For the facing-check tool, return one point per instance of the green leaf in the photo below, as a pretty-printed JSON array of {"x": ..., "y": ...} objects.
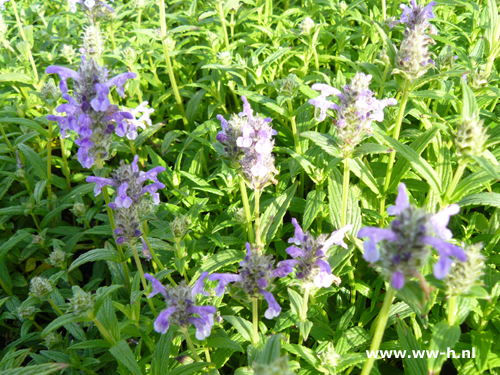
[
  {"x": 469, "y": 103},
  {"x": 277, "y": 211},
  {"x": 487, "y": 166},
  {"x": 161, "y": 357},
  {"x": 370, "y": 148},
  {"x": 413, "y": 365},
  {"x": 15, "y": 77},
  {"x": 56, "y": 211},
  {"x": 101, "y": 296},
  {"x": 224, "y": 342},
  {"x": 444, "y": 336},
  {"x": 314, "y": 202},
  {"x": 25, "y": 122},
  {"x": 90, "y": 344},
  {"x": 35, "y": 161},
  {"x": 43, "y": 369},
  {"x": 303, "y": 352},
  {"x": 482, "y": 341},
  {"x": 481, "y": 199},
  {"x": 296, "y": 301},
  {"x": 124, "y": 355},
  {"x": 62, "y": 320},
  {"x": 189, "y": 369},
  {"x": 19, "y": 236},
  {"x": 221, "y": 259},
  {"x": 193, "y": 105},
  {"x": 324, "y": 141},
  {"x": 363, "y": 173},
  {"x": 421, "y": 166},
  {"x": 95, "y": 255},
  {"x": 271, "y": 350},
  {"x": 145, "y": 134},
  {"x": 244, "y": 327}
]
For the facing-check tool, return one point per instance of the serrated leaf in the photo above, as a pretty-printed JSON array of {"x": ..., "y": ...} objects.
[
  {"x": 124, "y": 355},
  {"x": 62, "y": 320},
  {"x": 189, "y": 369},
  {"x": 324, "y": 141},
  {"x": 314, "y": 202},
  {"x": 224, "y": 342},
  {"x": 221, "y": 259},
  {"x": 243, "y": 326},
  {"x": 43, "y": 369},
  {"x": 145, "y": 134},
  {"x": 444, "y": 337},
  {"x": 193, "y": 105},
  {"x": 35, "y": 161},
  {"x": 370, "y": 148},
  {"x": 413, "y": 365}
]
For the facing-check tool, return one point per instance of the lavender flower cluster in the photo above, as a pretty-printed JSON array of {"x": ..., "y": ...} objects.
[
  {"x": 404, "y": 248},
  {"x": 310, "y": 256},
  {"x": 94, "y": 9},
  {"x": 247, "y": 139},
  {"x": 414, "y": 59},
  {"x": 129, "y": 201},
  {"x": 181, "y": 307},
  {"x": 358, "y": 108}
]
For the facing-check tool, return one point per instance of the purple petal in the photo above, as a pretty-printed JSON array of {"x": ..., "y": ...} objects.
[
  {"x": 398, "y": 280},
  {"x": 224, "y": 279},
  {"x": 161, "y": 323},
  {"x": 203, "y": 325},
  {"x": 440, "y": 220},
  {"x": 273, "y": 309},
  {"x": 198, "y": 286},
  {"x": 119, "y": 81},
  {"x": 371, "y": 253},
  {"x": 157, "y": 286},
  {"x": 337, "y": 238},
  {"x": 324, "y": 278},
  {"x": 402, "y": 201},
  {"x": 295, "y": 251},
  {"x": 100, "y": 182},
  {"x": 298, "y": 235}
]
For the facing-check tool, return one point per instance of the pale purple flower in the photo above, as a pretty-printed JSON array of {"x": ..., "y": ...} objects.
[
  {"x": 181, "y": 307},
  {"x": 321, "y": 103},
  {"x": 255, "y": 274},
  {"x": 310, "y": 256},
  {"x": 141, "y": 119},
  {"x": 404, "y": 248},
  {"x": 145, "y": 249}
]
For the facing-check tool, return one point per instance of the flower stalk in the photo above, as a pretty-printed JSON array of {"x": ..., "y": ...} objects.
[
  {"x": 379, "y": 330},
  {"x": 246, "y": 207},
  {"x": 255, "y": 320},
  {"x": 190, "y": 344},
  {"x": 141, "y": 273}
]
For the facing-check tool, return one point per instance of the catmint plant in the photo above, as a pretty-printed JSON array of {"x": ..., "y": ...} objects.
[
  {"x": 182, "y": 310},
  {"x": 413, "y": 57},
  {"x": 404, "y": 247},
  {"x": 254, "y": 277},
  {"x": 358, "y": 108},
  {"x": 131, "y": 189}
]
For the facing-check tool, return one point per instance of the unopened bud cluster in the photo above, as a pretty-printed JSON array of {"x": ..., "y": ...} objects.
[
  {"x": 57, "y": 258},
  {"x": 278, "y": 367},
  {"x": 81, "y": 301},
  {"x": 93, "y": 42},
  {"x": 307, "y": 26},
  {"x": 470, "y": 137},
  {"x": 26, "y": 313},
  {"x": 49, "y": 93},
  {"x": 464, "y": 275},
  {"x": 40, "y": 287},
  {"x": 79, "y": 210},
  {"x": 52, "y": 339},
  {"x": 180, "y": 226}
]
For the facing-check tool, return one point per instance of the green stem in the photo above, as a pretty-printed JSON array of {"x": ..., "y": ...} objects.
[
  {"x": 143, "y": 279},
  {"x": 257, "y": 219},
  {"x": 65, "y": 163},
  {"x": 36, "y": 222},
  {"x": 170, "y": 69},
  {"x": 139, "y": 19},
  {"x": 246, "y": 207},
  {"x": 451, "y": 310},
  {"x": 153, "y": 253},
  {"x": 379, "y": 331},
  {"x": 7, "y": 141},
  {"x": 220, "y": 10},
  {"x": 269, "y": 10},
  {"x": 294, "y": 127},
  {"x": 397, "y": 130},
  {"x": 23, "y": 35},
  {"x": 345, "y": 195},
  {"x": 104, "y": 331},
  {"x": 113, "y": 227},
  {"x": 49, "y": 164},
  {"x": 132, "y": 147},
  {"x": 382, "y": 84},
  {"x": 190, "y": 344},
  {"x": 58, "y": 310},
  {"x": 462, "y": 165},
  {"x": 255, "y": 319},
  {"x": 305, "y": 300},
  {"x": 384, "y": 11}
]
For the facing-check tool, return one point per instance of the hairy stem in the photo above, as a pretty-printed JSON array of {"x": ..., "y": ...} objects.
[
  {"x": 255, "y": 319},
  {"x": 451, "y": 310},
  {"x": 65, "y": 163},
  {"x": 257, "y": 218},
  {"x": 58, "y": 310},
  {"x": 104, "y": 331},
  {"x": 190, "y": 344},
  {"x": 143, "y": 279},
  {"x": 246, "y": 207}
]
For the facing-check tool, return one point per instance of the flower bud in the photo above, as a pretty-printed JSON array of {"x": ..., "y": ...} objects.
[
  {"x": 212, "y": 38},
  {"x": 79, "y": 210},
  {"x": 129, "y": 55},
  {"x": 49, "y": 93},
  {"x": 225, "y": 58},
  {"x": 289, "y": 86},
  {"x": 329, "y": 357},
  {"x": 278, "y": 367},
  {"x": 307, "y": 26},
  {"x": 470, "y": 137},
  {"x": 26, "y": 313},
  {"x": 180, "y": 226},
  {"x": 57, "y": 258},
  {"x": 38, "y": 239},
  {"x": 240, "y": 216},
  {"x": 52, "y": 339},
  {"x": 40, "y": 287},
  {"x": 68, "y": 53},
  {"x": 464, "y": 275},
  {"x": 93, "y": 42},
  {"x": 169, "y": 43},
  {"x": 81, "y": 302}
]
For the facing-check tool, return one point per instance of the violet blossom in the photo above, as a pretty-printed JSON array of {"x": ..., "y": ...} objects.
[
  {"x": 357, "y": 109},
  {"x": 310, "y": 256},
  {"x": 128, "y": 127},
  {"x": 401, "y": 250},
  {"x": 181, "y": 308},
  {"x": 413, "y": 58},
  {"x": 130, "y": 197},
  {"x": 247, "y": 140},
  {"x": 255, "y": 276}
]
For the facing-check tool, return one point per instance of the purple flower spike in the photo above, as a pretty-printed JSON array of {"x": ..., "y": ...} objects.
[
  {"x": 64, "y": 74},
  {"x": 405, "y": 246},
  {"x": 101, "y": 103},
  {"x": 320, "y": 102},
  {"x": 181, "y": 307},
  {"x": 298, "y": 237}
]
